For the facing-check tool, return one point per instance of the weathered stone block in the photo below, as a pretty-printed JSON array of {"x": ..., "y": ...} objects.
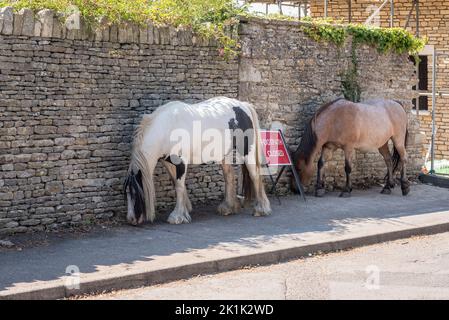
[
  {"x": 12, "y": 224},
  {"x": 150, "y": 34},
  {"x": 46, "y": 17},
  {"x": 119, "y": 102},
  {"x": 57, "y": 27},
  {"x": 6, "y": 196},
  {"x": 8, "y": 167},
  {"x": 54, "y": 187},
  {"x": 37, "y": 28},
  {"x": 28, "y": 22},
  {"x": 29, "y": 222},
  {"x": 143, "y": 35},
  {"x": 6, "y": 20},
  {"x": 113, "y": 34},
  {"x": 18, "y": 24},
  {"x": 45, "y": 129},
  {"x": 64, "y": 141},
  {"x": 68, "y": 154},
  {"x": 123, "y": 33}
]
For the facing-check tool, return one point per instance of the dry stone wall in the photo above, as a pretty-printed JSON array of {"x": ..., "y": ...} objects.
[{"x": 70, "y": 99}]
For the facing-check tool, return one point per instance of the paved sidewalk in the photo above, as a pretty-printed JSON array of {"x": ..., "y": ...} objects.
[
  {"x": 413, "y": 268},
  {"x": 127, "y": 256}
]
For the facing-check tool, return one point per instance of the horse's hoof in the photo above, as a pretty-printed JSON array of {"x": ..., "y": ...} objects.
[
  {"x": 179, "y": 218},
  {"x": 345, "y": 194},
  {"x": 225, "y": 210},
  {"x": 320, "y": 193},
  {"x": 261, "y": 211},
  {"x": 405, "y": 191},
  {"x": 386, "y": 191}
]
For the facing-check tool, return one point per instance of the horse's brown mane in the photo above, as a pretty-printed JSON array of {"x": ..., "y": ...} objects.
[{"x": 309, "y": 138}]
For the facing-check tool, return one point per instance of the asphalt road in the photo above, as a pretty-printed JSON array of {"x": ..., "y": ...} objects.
[{"x": 416, "y": 268}]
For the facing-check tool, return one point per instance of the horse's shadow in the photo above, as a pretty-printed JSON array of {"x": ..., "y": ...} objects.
[{"x": 126, "y": 245}]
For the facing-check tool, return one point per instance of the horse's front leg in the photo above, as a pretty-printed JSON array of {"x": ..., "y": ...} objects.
[
  {"x": 181, "y": 212},
  {"x": 172, "y": 169},
  {"x": 348, "y": 168},
  {"x": 320, "y": 189},
  {"x": 230, "y": 203}
]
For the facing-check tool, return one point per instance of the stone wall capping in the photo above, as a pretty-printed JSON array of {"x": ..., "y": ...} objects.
[
  {"x": 46, "y": 17},
  {"x": 6, "y": 20},
  {"x": 274, "y": 22},
  {"x": 49, "y": 24}
]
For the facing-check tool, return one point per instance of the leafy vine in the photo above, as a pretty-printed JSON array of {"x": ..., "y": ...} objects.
[{"x": 395, "y": 40}]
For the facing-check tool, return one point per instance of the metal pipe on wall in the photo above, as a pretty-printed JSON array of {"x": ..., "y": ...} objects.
[
  {"x": 417, "y": 17},
  {"x": 280, "y": 6},
  {"x": 434, "y": 98},
  {"x": 391, "y": 13},
  {"x": 349, "y": 11}
]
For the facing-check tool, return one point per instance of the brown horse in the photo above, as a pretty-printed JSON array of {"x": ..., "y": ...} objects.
[{"x": 364, "y": 126}]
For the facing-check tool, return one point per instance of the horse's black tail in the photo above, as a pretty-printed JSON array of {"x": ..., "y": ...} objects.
[{"x": 396, "y": 157}]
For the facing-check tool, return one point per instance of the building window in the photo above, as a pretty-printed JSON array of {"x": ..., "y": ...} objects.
[{"x": 423, "y": 84}]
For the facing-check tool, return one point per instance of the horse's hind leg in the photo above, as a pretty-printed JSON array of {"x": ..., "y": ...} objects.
[
  {"x": 405, "y": 184},
  {"x": 389, "y": 183},
  {"x": 346, "y": 193},
  {"x": 262, "y": 206},
  {"x": 320, "y": 188},
  {"x": 181, "y": 212},
  {"x": 230, "y": 204}
]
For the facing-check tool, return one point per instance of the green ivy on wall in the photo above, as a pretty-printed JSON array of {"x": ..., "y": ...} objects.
[
  {"x": 395, "y": 40},
  {"x": 350, "y": 86}
]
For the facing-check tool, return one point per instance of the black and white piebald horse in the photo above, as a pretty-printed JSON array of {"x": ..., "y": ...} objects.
[{"x": 178, "y": 134}]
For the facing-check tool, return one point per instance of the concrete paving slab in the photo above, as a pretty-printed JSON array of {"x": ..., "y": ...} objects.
[
  {"x": 413, "y": 268},
  {"x": 127, "y": 257}
]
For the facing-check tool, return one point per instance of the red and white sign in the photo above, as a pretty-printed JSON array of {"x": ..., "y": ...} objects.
[{"x": 274, "y": 148}]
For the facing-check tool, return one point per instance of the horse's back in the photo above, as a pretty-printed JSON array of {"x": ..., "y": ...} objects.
[
  {"x": 216, "y": 107},
  {"x": 394, "y": 108},
  {"x": 207, "y": 119},
  {"x": 366, "y": 125}
]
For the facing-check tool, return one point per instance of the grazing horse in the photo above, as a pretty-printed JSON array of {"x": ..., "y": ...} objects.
[
  {"x": 178, "y": 134},
  {"x": 365, "y": 126}
]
